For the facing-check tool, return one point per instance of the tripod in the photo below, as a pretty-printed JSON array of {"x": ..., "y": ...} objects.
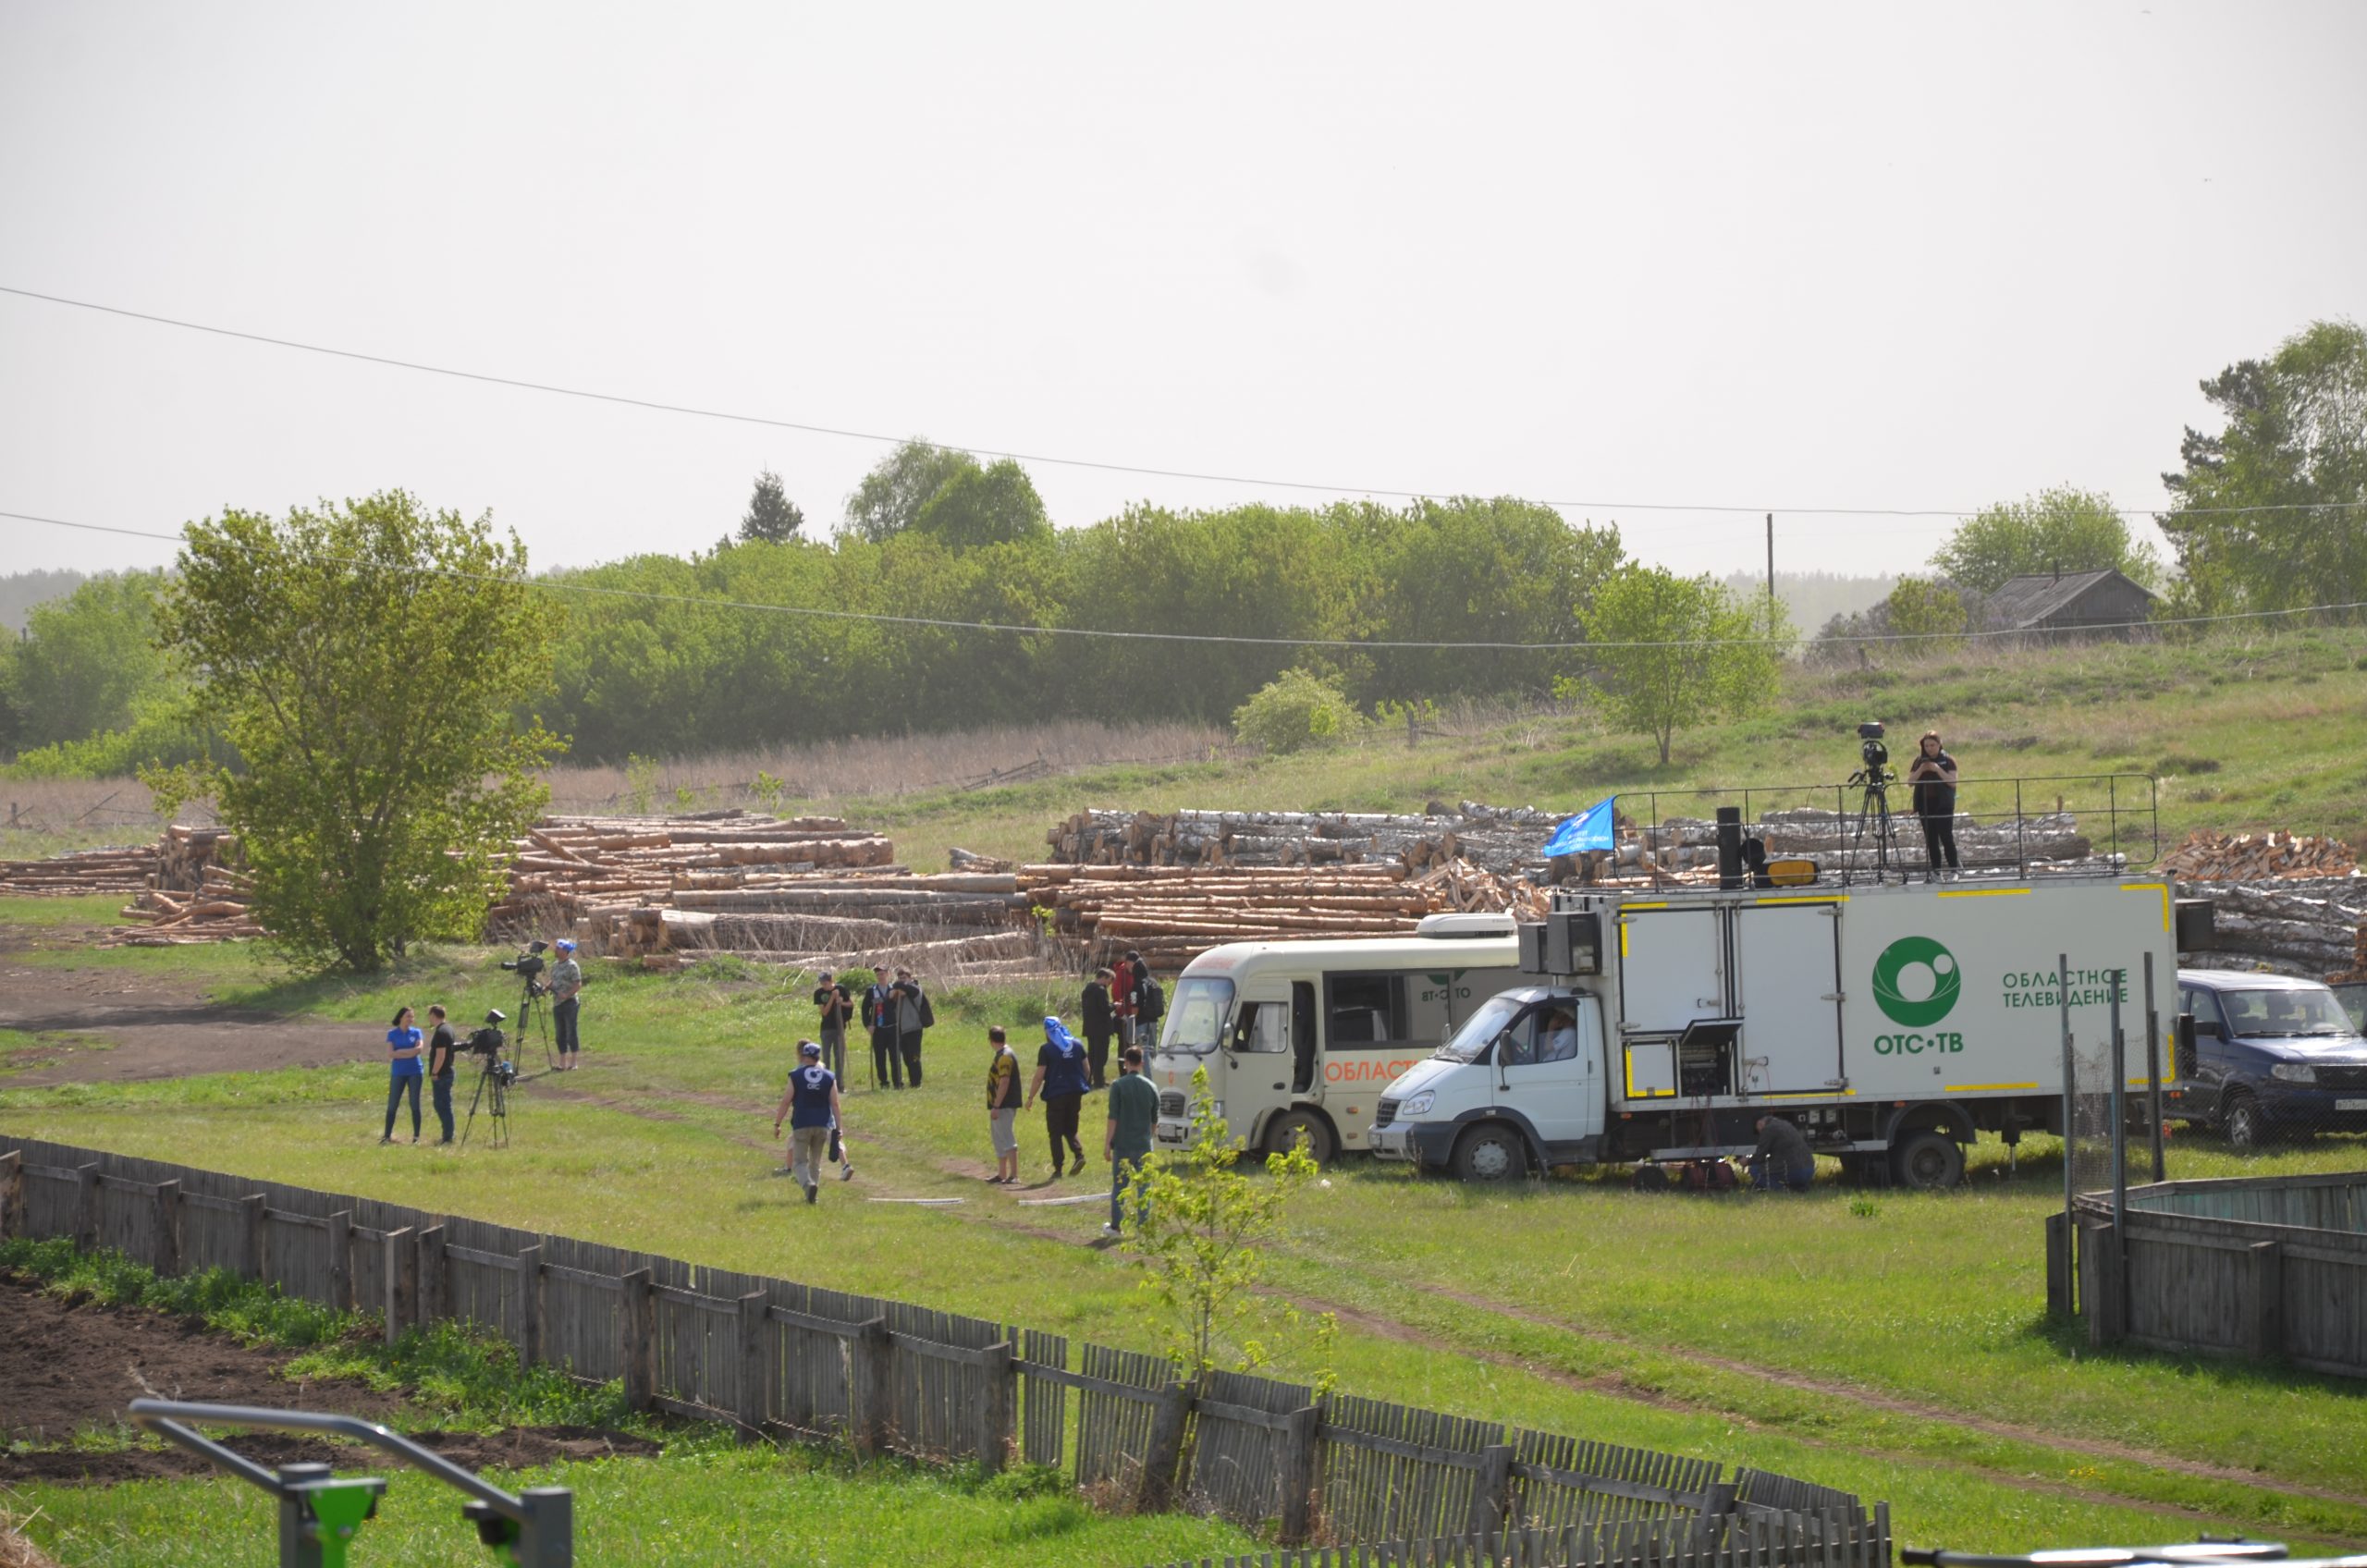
[
  {"x": 1874, "y": 813},
  {"x": 492, "y": 1085},
  {"x": 533, "y": 1013}
]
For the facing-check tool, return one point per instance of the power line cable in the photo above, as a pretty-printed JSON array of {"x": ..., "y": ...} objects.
[
  {"x": 661, "y": 407},
  {"x": 1012, "y": 628}
]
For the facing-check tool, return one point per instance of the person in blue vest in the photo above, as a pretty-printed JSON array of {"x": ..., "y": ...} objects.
[
  {"x": 1063, "y": 1076},
  {"x": 810, "y": 1106},
  {"x": 403, "y": 1045}
]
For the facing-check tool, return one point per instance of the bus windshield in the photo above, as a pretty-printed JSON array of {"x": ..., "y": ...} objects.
[
  {"x": 1195, "y": 1019},
  {"x": 1471, "y": 1041}
]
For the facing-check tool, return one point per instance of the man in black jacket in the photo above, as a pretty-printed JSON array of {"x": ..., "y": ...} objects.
[
  {"x": 1092, "y": 1013},
  {"x": 879, "y": 1017},
  {"x": 1783, "y": 1157},
  {"x": 908, "y": 1025},
  {"x": 441, "y": 1050}
]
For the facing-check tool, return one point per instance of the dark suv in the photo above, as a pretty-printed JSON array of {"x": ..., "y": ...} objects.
[{"x": 2271, "y": 1055}]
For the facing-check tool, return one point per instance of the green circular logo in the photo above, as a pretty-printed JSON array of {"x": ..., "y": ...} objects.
[{"x": 1916, "y": 980}]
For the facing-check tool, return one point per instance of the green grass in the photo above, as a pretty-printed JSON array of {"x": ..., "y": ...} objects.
[{"x": 1862, "y": 1348}]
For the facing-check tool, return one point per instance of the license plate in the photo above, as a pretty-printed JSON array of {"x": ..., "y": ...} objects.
[
  {"x": 2351, "y": 1105},
  {"x": 1170, "y": 1134}
]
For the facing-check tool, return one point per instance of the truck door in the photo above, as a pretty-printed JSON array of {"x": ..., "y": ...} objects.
[
  {"x": 1787, "y": 962},
  {"x": 1672, "y": 968},
  {"x": 1545, "y": 1069}
]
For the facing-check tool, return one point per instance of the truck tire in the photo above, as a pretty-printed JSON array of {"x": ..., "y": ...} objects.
[
  {"x": 1927, "y": 1161},
  {"x": 1284, "y": 1130},
  {"x": 1490, "y": 1152},
  {"x": 2246, "y": 1130},
  {"x": 1650, "y": 1179}
]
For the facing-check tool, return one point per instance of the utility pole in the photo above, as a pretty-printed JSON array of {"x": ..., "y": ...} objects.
[{"x": 1770, "y": 569}]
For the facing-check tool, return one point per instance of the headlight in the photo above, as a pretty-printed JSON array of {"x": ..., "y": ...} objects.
[
  {"x": 2294, "y": 1071},
  {"x": 1420, "y": 1105}
]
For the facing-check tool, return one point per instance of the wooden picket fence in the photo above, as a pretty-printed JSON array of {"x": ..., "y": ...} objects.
[
  {"x": 782, "y": 1360},
  {"x": 1835, "y": 1540}
]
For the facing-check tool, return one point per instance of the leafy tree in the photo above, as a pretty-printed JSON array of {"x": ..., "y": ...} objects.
[
  {"x": 2295, "y": 439},
  {"x": 977, "y": 505},
  {"x": 2058, "y": 530},
  {"x": 1676, "y": 649},
  {"x": 89, "y": 660},
  {"x": 1923, "y": 610},
  {"x": 773, "y": 518},
  {"x": 1295, "y": 710},
  {"x": 891, "y": 497},
  {"x": 366, "y": 659},
  {"x": 1202, "y": 1230}
]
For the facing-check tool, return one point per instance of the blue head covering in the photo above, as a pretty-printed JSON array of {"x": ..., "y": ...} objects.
[{"x": 1057, "y": 1036}]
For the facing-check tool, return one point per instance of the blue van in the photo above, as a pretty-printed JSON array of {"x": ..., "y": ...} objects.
[{"x": 2272, "y": 1056}]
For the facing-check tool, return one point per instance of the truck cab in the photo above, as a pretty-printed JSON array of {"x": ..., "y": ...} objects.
[
  {"x": 1519, "y": 1084},
  {"x": 2273, "y": 1055}
]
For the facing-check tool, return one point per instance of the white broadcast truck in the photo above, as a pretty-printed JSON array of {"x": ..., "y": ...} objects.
[
  {"x": 1889, "y": 1022},
  {"x": 1300, "y": 1038}
]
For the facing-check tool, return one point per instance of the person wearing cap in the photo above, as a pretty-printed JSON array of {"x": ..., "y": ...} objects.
[
  {"x": 810, "y": 1106},
  {"x": 1061, "y": 1082},
  {"x": 566, "y": 986}
]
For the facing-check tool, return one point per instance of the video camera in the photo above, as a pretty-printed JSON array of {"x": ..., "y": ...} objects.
[
  {"x": 489, "y": 1043},
  {"x": 528, "y": 966},
  {"x": 1870, "y": 747}
]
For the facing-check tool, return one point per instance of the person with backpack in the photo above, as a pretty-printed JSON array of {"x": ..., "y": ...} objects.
[
  {"x": 1094, "y": 1013},
  {"x": 913, "y": 1015},
  {"x": 1150, "y": 1004},
  {"x": 1060, "y": 1081}
]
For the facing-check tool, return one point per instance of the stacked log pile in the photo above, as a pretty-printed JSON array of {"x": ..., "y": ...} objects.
[
  {"x": 2303, "y": 924},
  {"x": 1835, "y": 841},
  {"x": 572, "y": 869},
  {"x": 2205, "y": 856},
  {"x": 195, "y": 894},
  {"x": 80, "y": 872},
  {"x": 1496, "y": 839}
]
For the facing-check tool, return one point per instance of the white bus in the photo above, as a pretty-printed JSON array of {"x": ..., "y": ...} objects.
[{"x": 1301, "y": 1037}]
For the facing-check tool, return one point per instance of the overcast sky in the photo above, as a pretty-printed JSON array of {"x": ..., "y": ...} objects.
[{"x": 1767, "y": 257}]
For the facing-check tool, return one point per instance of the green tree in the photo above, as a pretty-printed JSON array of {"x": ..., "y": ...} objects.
[
  {"x": 976, "y": 506},
  {"x": 1678, "y": 649},
  {"x": 891, "y": 497},
  {"x": 1202, "y": 1230},
  {"x": 2294, "y": 444},
  {"x": 2058, "y": 530},
  {"x": 89, "y": 661},
  {"x": 1924, "y": 611},
  {"x": 366, "y": 659},
  {"x": 773, "y": 518},
  {"x": 1295, "y": 710}
]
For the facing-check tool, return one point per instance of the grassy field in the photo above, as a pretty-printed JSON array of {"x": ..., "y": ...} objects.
[{"x": 1891, "y": 1343}]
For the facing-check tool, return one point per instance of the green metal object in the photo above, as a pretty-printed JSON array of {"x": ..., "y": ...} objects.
[{"x": 338, "y": 1509}]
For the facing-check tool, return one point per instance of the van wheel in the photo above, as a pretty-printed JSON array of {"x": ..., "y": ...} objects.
[
  {"x": 1491, "y": 1153},
  {"x": 1286, "y": 1129},
  {"x": 2246, "y": 1130},
  {"x": 1928, "y": 1161}
]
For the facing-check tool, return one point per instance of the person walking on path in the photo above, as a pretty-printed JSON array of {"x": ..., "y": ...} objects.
[
  {"x": 836, "y": 1003},
  {"x": 567, "y": 992},
  {"x": 1002, "y": 1106},
  {"x": 441, "y": 1050},
  {"x": 879, "y": 1017},
  {"x": 1060, "y": 1081},
  {"x": 1125, "y": 1137},
  {"x": 1092, "y": 1013},
  {"x": 811, "y": 1104},
  {"x": 912, "y": 1021},
  {"x": 403, "y": 1049}
]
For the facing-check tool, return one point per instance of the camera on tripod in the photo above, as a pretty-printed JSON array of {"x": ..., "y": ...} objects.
[
  {"x": 488, "y": 1042},
  {"x": 528, "y": 966},
  {"x": 1870, "y": 748}
]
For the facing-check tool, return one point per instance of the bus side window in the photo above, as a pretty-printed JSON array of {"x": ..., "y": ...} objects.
[
  {"x": 1302, "y": 1035},
  {"x": 1264, "y": 1028}
]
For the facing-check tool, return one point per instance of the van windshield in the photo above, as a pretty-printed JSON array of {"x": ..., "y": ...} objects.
[
  {"x": 2265, "y": 1014},
  {"x": 1470, "y": 1042},
  {"x": 1195, "y": 1019}
]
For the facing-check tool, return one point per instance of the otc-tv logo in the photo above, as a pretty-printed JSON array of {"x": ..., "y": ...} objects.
[{"x": 1916, "y": 982}]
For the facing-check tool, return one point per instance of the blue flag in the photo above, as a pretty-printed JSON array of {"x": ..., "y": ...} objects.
[{"x": 1590, "y": 830}]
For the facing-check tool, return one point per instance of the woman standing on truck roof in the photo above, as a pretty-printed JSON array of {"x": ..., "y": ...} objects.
[{"x": 1933, "y": 774}]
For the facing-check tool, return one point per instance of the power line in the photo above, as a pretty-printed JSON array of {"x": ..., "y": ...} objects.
[
  {"x": 550, "y": 584},
  {"x": 659, "y": 406}
]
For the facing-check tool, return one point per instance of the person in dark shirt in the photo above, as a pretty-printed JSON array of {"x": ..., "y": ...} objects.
[
  {"x": 441, "y": 1050},
  {"x": 1060, "y": 1081},
  {"x": 837, "y": 1005},
  {"x": 1099, "y": 1024},
  {"x": 1125, "y": 1136},
  {"x": 909, "y": 1026},
  {"x": 879, "y": 1017},
  {"x": 1782, "y": 1158},
  {"x": 812, "y": 1106},
  {"x": 1933, "y": 774}
]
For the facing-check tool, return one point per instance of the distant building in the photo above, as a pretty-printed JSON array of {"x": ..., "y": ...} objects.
[{"x": 2068, "y": 601}]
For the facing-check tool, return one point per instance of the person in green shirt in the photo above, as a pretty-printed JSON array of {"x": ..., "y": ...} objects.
[{"x": 1125, "y": 1138}]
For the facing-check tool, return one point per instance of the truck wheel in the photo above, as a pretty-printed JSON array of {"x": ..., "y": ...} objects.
[
  {"x": 2246, "y": 1130},
  {"x": 1491, "y": 1152},
  {"x": 1284, "y": 1130},
  {"x": 1650, "y": 1179},
  {"x": 1928, "y": 1161}
]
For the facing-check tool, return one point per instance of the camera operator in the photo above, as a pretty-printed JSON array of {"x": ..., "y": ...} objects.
[
  {"x": 441, "y": 1049},
  {"x": 566, "y": 985},
  {"x": 836, "y": 1004},
  {"x": 1933, "y": 774}
]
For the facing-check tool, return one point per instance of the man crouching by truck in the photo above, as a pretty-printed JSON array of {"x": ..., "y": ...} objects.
[{"x": 1783, "y": 1158}]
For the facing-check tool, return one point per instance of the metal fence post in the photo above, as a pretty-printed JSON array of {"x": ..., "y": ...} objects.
[
  {"x": 2153, "y": 1072},
  {"x": 547, "y": 1536},
  {"x": 298, "y": 1546}
]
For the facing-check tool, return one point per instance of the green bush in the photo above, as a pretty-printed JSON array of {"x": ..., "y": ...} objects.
[{"x": 1294, "y": 710}]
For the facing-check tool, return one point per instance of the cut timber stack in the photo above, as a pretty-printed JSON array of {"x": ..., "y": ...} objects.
[
  {"x": 1501, "y": 840},
  {"x": 2250, "y": 857},
  {"x": 790, "y": 919},
  {"x": 2302, "y": 925},
  {"x": 82, "y": 871}
]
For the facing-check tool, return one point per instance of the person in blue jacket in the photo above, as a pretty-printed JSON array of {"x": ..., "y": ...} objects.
[
  {"x": 404, "y": 1042},
  {"x": 1063, "y": 1076}
]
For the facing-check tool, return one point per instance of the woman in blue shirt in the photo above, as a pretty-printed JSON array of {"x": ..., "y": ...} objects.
[{"x": 403, "y": 1042}]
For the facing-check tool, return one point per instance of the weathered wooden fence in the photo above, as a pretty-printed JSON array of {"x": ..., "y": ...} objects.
[
  {"x": 1837, "y": 1540},
  {"x": 780, "y": 1359},
  {"x": 2266, "y": 1268}
]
